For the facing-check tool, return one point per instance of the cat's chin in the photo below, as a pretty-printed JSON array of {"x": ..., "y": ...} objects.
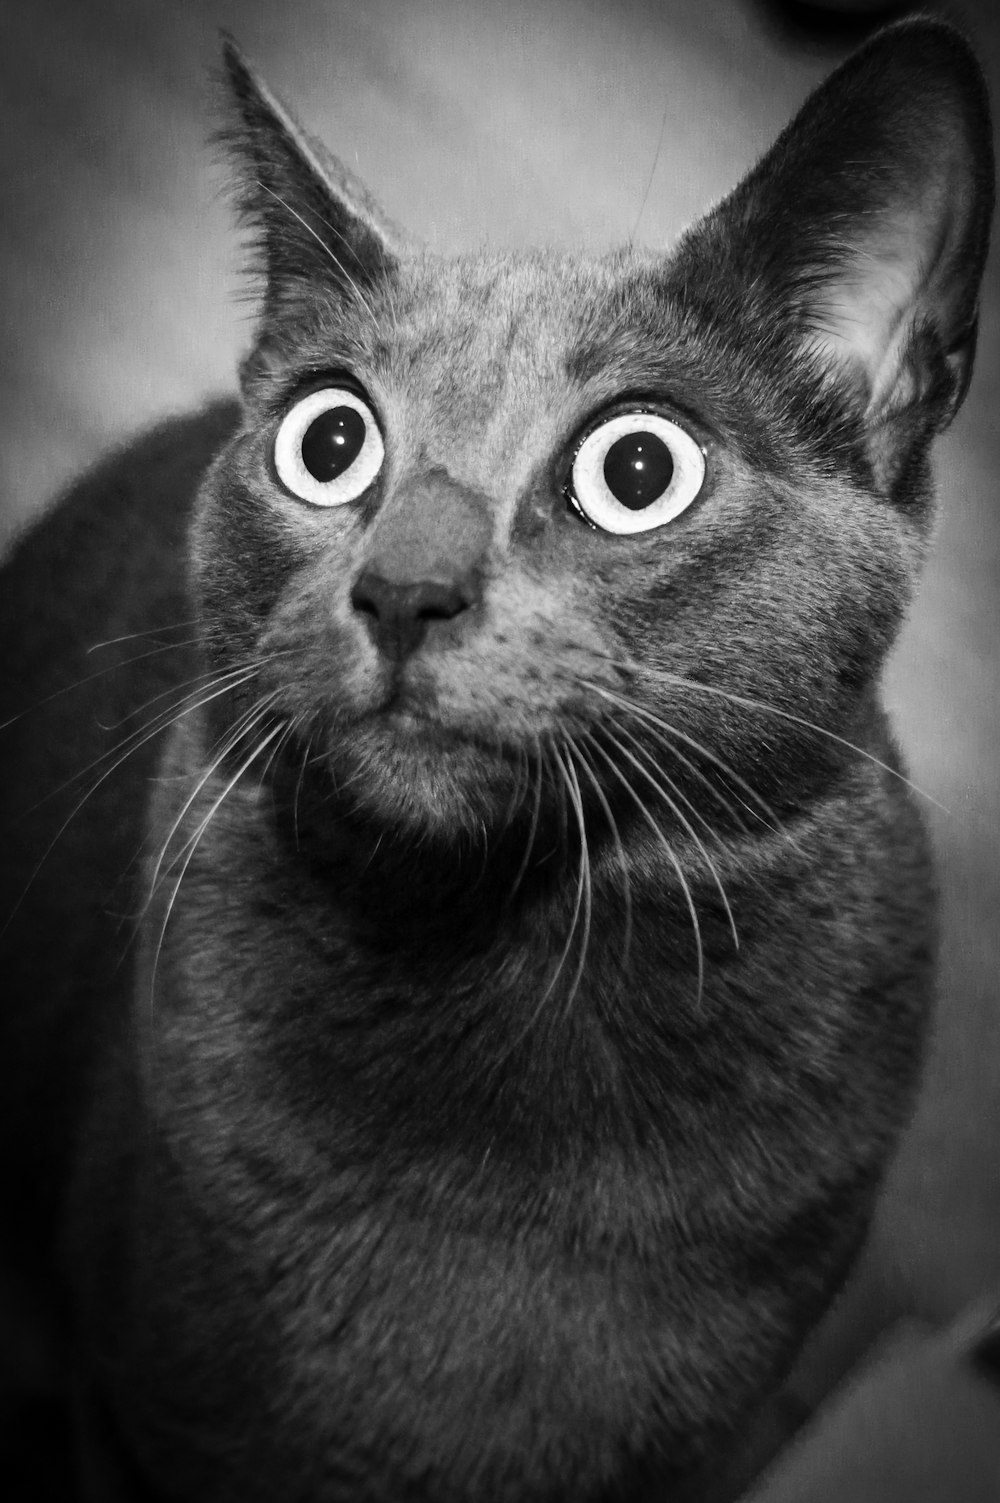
[{"x": 408, "y": 771}]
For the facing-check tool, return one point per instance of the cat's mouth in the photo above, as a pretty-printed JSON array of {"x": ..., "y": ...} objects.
[
  {"x": 409, "y": 722},
  {"x": 412, "y": 710},
  {"x": 406, "y": 713},
  {"x": 405, "y": 703},
  {"x": 444, "y": 742},
  {"x": 412, "y": 758}
]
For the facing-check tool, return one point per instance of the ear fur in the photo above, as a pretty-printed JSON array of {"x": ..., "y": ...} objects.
[
  {"x": 860, "y": 238},
  {"x": 311, "y": 219}
]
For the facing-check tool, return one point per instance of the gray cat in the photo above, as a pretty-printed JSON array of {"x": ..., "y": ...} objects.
[{"x": 470, "y": 939}]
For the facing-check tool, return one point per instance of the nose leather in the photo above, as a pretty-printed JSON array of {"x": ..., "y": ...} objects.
[
  {"x": 398, "y": 615},
  {"x": 425, "y": 562}
]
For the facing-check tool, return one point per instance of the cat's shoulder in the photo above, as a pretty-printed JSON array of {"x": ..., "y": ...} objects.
[
  {"x": 141, "y": 491},
  {"x": 86, "y": 584}
]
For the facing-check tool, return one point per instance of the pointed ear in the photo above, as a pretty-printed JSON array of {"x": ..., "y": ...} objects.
[
  {"x": 859, "y": 240},
  {"x": 312, "y": 221}
]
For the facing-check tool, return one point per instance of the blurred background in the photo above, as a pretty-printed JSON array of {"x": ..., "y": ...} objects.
[{"x": 514, "y": 122}]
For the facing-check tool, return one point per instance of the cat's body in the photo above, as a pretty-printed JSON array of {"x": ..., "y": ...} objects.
[{"x": 431, "y": 1151}]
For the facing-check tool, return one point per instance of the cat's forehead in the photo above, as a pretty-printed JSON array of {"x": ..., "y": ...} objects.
[
  {"x": 493, "y": 364},
  {"x": 482, "y": 323},
  {"x": 491, "y": 355},
  {"x": 477, "y": 363},
  {"x": 531, "y": 310},
  {"x": 474, "y": 339}
]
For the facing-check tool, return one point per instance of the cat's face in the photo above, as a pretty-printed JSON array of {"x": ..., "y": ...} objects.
[
  {"x": 482, "y": 378},
  {"x": 486, "y": 513}
]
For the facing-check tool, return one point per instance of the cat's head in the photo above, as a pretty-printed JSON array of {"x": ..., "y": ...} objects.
[{"x": 503, "y": 528}]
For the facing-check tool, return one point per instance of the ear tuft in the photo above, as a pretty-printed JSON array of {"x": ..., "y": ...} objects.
[{"x": 312, "y": 222}]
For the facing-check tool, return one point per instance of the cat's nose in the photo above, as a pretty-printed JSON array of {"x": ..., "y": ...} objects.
[
  {"x": 426, "y": 562},
  {"x": 398, "y": 614}
]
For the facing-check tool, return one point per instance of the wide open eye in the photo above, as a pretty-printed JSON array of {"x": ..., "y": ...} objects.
[
  {"x": 635, "y": 472},
  {"x": 329, "y": 448}
]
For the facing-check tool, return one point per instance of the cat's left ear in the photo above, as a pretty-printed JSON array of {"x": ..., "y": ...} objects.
[
  {"x": 858, "y": 242},
  {"x": 313, "y": 222}
]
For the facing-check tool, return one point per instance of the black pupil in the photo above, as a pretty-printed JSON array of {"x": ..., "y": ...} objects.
[
  {"x": 637, "y": 469},
  {"x": 332, "y": 442}
]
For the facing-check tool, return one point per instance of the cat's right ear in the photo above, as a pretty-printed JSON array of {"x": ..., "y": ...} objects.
[
  {"x": 312, "y": 223},
  {"x": 853, "y": 252}
]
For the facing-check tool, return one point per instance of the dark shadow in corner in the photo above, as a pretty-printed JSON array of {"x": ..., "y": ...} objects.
[{"x": 803, "y": 27}]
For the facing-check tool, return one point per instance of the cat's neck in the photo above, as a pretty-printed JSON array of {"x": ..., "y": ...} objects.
[
  {"x": 537, "y": 1006},
  {"x": 488, "y": 985}
]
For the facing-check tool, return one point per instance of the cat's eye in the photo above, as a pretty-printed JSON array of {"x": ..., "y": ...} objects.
[
  {"x": 329, "y": 448},
  {"x": 635, "y": 472}
]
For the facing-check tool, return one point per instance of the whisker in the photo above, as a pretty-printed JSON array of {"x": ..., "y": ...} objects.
[
  {"x": 626, "y": 883},
  {"x": 730, "y": 808},
  {"x": 251, "y": 725},
  {"x": 138, "y": 740},
  {"x": 153, "y": 631},
  {"x": 642, "y": 713},
  {"x": 819, "y": 730},
  {"x": 686, "y": 824},
  {"x": 514, "y": 800},
  {"x": 145, "y": 733},
  {"x": 643, "y": 751},
  {"x": 678, "y": 756},
  {"x": 668, "y": 747},
  {"x": 529, "y": 845},
  {"x": 584, "y": 885},
  {"x": 677, "y": 680},
  {"x": 248, "y": 721},
  {"x": 358, "y": 260},
  {"x": 190, "y": 849},
  {"x": 195, "y": 679},
  {"x": 275, "y": 752},
  {"x": 671, "y": 856},
  {"x": 298, "y": 787},
  {"x": 98, "y": 673},
  {"x": 365, "y": 304},
  {"x": 539, "y": 1007},
  {"x": 241, "y": 727}
]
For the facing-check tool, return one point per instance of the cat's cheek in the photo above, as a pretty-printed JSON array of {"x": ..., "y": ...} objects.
[
  {"x": 254, "y": 550},
  {"x": 317, "y": 658},
  {"x": 325, "y": 675}
]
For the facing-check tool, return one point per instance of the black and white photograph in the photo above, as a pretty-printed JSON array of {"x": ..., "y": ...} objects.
[{"x": 499, "y": 752}]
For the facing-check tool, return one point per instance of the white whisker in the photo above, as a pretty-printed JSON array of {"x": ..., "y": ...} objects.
[
  {"x": 584, "y": 886},
  {"x": 192, "y": 846},
  {"x": 529, "y": 845},
  {"x": 298, "y": 787},
  {"x": 772, "y": 823},
  {"x": 248, "y": 721},
  {"x": 365, "y": 304},
  {"x": 138, "y": 739},
  {"x": 671, "y": 857},
  {"x": 626, "y": 883},
  {"x": 153, "y": 631},
  {"x": 550, "y": 985},
  {"x": 678, "y": 681},
  {"x": 684, "y": 821},
  {"x": 91, "y": 677}
]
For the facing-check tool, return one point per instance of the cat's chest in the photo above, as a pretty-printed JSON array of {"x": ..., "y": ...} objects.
[
  {"x": 433, "y": 1325},
  {"x": 263, "y": 996},
  {"x": 410, "y": 1236}
]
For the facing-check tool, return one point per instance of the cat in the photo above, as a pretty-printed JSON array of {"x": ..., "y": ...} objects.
[{"x": 470, "y": 937}]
